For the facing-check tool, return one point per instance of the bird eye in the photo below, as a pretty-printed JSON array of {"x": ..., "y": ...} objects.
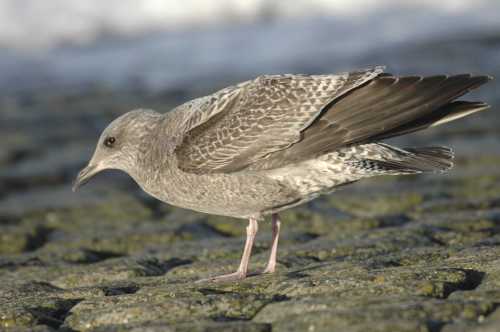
[{"x": 109, "y": 141}]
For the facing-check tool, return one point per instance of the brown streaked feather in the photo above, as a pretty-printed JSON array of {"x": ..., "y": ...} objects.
[
  {"x": 265, "y": 115},
  {"x": 205, "y": 108},
  {"x": 385, "y": 107},
  {"x": 449, "y": 112},
  {"x": 409, "y": 160}
]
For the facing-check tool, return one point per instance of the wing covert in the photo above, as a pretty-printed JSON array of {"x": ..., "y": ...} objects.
[{"x": 239, "y": 125}]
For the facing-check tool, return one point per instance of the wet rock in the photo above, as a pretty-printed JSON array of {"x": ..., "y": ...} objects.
[
  {"x": 34, "y": 303},
  {"x": 198, "y": 326},
  {"x": 169, "y": 304},
  {"x": 369, "y": 206},
  {"x": 112, "y": 270},
  {"x": 417, "y": 253}
]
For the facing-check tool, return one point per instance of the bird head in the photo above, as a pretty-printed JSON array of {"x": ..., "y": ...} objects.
[{"x": 119, "y": 145}]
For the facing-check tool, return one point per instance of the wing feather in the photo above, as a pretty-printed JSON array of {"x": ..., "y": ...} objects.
[
  {"x": 240, "y": 125},
  {"x": 387, "y": 106}
]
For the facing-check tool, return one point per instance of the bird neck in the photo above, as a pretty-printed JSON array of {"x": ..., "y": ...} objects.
[{"x": 153, "y": 163}]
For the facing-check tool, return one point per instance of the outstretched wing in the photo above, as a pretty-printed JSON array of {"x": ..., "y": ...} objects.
[
  {"x": 240, "y": 125},
  {"x": 387, "y": 106}
]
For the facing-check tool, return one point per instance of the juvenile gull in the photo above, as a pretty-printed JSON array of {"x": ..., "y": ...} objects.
[{"x": 266, "y": 145}]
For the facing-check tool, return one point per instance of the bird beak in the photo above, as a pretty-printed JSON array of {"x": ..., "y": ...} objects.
[{"x": 85, "y": 175}]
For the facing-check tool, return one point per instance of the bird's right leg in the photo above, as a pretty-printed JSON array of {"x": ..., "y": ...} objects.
[{"x": 241, "y": 273}]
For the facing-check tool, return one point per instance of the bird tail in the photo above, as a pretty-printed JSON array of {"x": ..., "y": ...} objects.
[{"x": 409, "y": 160}]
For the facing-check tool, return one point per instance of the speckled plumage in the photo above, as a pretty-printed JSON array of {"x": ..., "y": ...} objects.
[
  {"x": 239, "y": 125},
  {"x": 274, "y": 142}
]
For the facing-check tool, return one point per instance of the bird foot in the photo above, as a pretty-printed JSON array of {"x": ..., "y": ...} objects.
[
  {"x": 235, "y": 276},
  {"x": 267, "y": 270}
]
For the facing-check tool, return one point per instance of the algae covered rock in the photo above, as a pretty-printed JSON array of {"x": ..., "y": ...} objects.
[{"x": 398, "y": 254}]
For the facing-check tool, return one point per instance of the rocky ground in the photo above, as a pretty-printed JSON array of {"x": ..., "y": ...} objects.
[{"x": 415, "y": 253}]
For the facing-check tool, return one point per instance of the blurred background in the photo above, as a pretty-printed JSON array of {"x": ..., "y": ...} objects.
[
  {"x": 155, "y": 46},
  {"x": 364, "y": 253},
  {"x": 68, "y": 67}
]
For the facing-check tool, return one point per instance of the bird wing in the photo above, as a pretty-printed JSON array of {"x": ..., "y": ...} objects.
[
  {"x": 387, "y": 106},
  {"x": 237, "y": 126}
]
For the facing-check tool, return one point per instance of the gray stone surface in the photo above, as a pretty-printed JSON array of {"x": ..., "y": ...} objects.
[{"x": 417, "y": 253}]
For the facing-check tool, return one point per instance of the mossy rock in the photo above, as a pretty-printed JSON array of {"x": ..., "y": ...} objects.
[
  {"x": 116, "y": 210},
  {"x": 377, "y": 205}
]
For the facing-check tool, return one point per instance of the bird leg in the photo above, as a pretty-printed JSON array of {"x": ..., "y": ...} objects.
[
  {"x": 271, "y": 264},
  {"x": 241, "y": 273}
]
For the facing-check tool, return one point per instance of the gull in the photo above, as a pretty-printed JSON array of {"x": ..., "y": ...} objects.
[{"x": 266, "y": 145}]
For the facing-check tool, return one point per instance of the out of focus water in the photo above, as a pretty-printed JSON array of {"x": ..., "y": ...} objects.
[{"x": 156, "y": 45}]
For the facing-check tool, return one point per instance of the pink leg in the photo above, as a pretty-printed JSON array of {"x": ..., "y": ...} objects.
[
  {"x": 271, "y": 264},
  {"x": 241, "y": 273}
]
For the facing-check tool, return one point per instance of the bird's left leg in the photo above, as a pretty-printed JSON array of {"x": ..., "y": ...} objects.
[{"x": 271, "y": 264}]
